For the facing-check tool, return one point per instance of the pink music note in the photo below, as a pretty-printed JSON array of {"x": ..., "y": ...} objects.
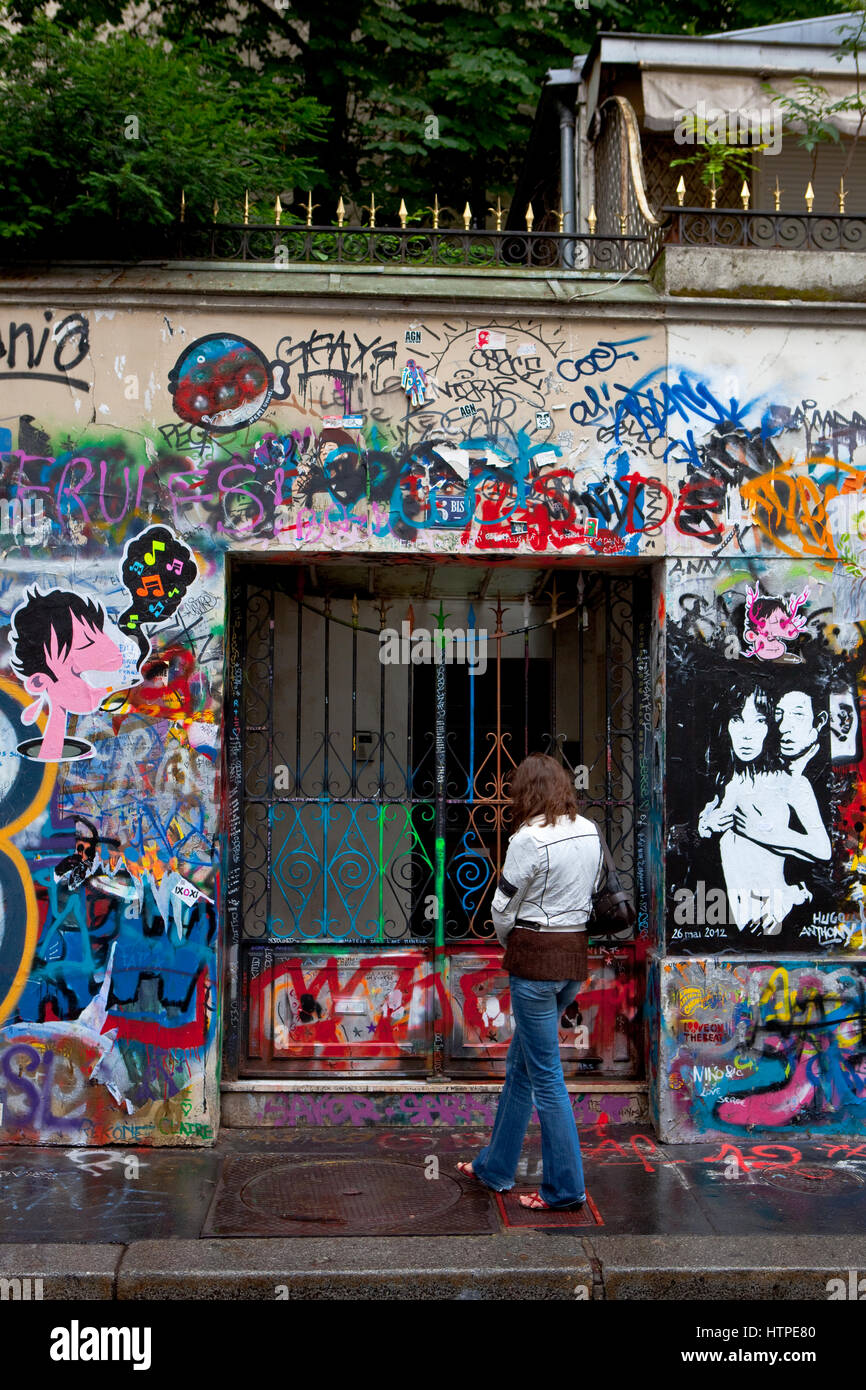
[
  {"x": 176, "y": 567},
  {"x": 151, "y": 558}
]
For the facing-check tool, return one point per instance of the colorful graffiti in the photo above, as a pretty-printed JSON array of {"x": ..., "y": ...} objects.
[
  {"x": 368, "y": 1011},
  {"x": 108, "y": 947},
  {"x": 531, "y": 440},
  {"x": 775, "y": 1047}
]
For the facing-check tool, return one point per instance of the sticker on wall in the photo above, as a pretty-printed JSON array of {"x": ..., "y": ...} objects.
[
  {"x": 414, "y": 382},
  {"x": 157, "y": 570},
  {"x": 65, "y": 655},
  {"x": 770, "y": 623},
  {"x": 543, "y": 420},
  {"x": 221, "y": 382},
  {"x": 487, "y": 338},
  {"x": 72, "y": 658},
  {"x": 845, "y": 741},
  {"x": 412, "y": 337}
]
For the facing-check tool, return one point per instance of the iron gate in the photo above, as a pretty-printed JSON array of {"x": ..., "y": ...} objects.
[{"x": 375, "y": 714}]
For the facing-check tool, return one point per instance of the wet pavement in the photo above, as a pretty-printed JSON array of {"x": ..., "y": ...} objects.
[{"x": 379, "y": 1181}]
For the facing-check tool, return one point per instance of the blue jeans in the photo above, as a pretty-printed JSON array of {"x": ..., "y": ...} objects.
[{"x": 533, "y": 1073}]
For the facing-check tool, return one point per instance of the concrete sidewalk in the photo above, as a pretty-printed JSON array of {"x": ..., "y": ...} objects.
[{"x": 716, "y": 1221}]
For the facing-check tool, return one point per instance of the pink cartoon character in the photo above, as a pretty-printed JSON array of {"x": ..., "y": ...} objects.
[
  {"x": 771, "y": 622},
  {"x": 58, "y": 641}
]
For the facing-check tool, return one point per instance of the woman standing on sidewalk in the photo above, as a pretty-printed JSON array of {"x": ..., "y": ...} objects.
[{"x": 540, "y": 910}]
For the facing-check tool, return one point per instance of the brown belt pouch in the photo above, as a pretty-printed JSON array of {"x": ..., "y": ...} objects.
[{"x": 535, "y": 955}]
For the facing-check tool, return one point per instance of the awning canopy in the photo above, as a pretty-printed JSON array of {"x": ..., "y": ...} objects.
[{"x": 668, "y": 93}]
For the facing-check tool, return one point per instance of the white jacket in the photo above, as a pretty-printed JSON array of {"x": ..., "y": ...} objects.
[{"x": 549, "y": 876}]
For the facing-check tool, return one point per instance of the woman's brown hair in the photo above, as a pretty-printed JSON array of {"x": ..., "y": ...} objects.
[{"x": 540, "y": 787}]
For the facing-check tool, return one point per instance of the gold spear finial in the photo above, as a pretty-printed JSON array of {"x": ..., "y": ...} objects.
[
  {"x": 310, "y": 206},
  {"x": 842, "y": 195},
  {"x": 592, "y": 220},
  {"x": 467, "y": 216},
  {"x": 745, "y": 195},
  {"x": 554, "y": 604},
  {"x": 246, "y": 207},
  {"x": 216, "y": 208},
  {"x": 278, "y": 211},
  {"x": 341, "y": 212},
  {"x": 435, "y": 211},
  {"x": 403, "y": 212},
  {"x": 530, "y": 217},
  {"x": 777, "y": 195},
  {"x": 810, "y": 197},
  {"x": 560, "y": 216},
  {"x": 713, "y": 191},
  {"x": 182, "y": 205},
  {"x": 681, "y": 191},
  {"x": 497, "y": 213}
]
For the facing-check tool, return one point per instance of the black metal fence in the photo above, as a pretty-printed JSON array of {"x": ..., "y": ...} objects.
[{"x": 411, "y": 247}]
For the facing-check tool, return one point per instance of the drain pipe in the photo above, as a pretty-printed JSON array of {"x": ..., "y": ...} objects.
[{"x": 567, "y": 181}]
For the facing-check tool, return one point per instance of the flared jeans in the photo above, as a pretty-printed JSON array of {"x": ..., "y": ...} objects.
[{"x": 533, "y": 1075}]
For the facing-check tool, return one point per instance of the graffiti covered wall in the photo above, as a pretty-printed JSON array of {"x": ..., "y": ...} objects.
[
  {"x": 765, "y": 807},
  {"x": 140, "y": 449},
  {"x": 775, "y": 1047}
]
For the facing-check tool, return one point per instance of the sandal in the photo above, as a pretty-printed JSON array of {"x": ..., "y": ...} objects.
[
  {"x": 534, "y": 1202},
  {"x": 468, "y": 1171}
]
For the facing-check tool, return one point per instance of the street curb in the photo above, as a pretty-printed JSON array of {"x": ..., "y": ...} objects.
[
  {"x": 83, "y": 1272},
  {"x": 525, "y": 1265},
  {"x": 764, "y": 1267},
  {"x": 521, "y": 1265}
]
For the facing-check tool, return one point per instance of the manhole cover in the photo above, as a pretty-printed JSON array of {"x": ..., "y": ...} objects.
[
  {"x": 342, "y": 1196},
  {"x": 816, "y": 1179},
  {"x": 348, "y": 1192}
]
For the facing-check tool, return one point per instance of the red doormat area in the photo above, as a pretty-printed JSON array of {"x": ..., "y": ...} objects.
[{"x": 513, "y": 1214}]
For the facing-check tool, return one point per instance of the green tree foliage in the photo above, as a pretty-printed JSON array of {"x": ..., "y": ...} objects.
[
  {"x": 810, "y": 110},
  {"x": 99, "y": 135},
  {"x": 423, "y": 97}
]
